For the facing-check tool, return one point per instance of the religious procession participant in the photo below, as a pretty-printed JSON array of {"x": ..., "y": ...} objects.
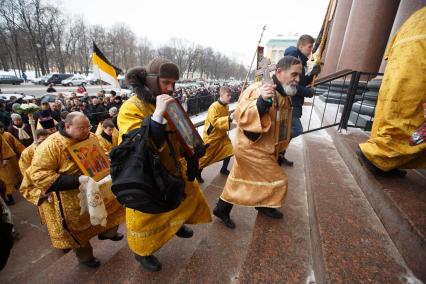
[
  {"x": 147, "y": 233},
  {"x": 28, "y": 153},
  {"x": 10, "y": 173},
  {"x": 108, "y": 137},
  {"x": 56, "y": 180},
  {"x": 256, "y": 179},
  {"x": 399, "y": 111},
  {"x": 25, "y": 162},
  {"x": 215, "y": 135},
  {"x": 302, "y": 51}
]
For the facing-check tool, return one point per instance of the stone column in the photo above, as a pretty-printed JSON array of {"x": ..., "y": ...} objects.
[
  {"x": 366, "y": 35},
  {"x": 405, "y": 10},
  {"x": 336, "y": 36}
]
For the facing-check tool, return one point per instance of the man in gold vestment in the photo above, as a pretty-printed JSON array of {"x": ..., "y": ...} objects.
[
  {"x": 256, "y": 179},
  {"x": 399, "y": 111},
  {"x": 10, "y": 173},
  {"x": 215, "y": 134},
  {"x": 107, "y": 135},
  {"x": 147, "y": 233},
  {"x": 25, "y": 162},
  {"x": 56, "y": 179}
]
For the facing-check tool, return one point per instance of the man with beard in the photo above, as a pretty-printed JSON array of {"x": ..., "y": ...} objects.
[
  {"x": 256, "y": 180},
  {"x": 302, "y": 52},
  {"x": 55, "y": 182},
  {"x": 147, "y": 233}
]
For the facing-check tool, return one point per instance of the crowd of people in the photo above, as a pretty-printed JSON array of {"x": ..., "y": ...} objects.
[
  {"x": 54, "y": 183},
  {"x": 196, "y": 99}
]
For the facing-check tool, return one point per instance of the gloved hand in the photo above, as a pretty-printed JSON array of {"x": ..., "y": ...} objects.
[
  {"x": 192, "y": 167},
  {"x": 316, "y": 69},
  {"x": 200, "y": 150},
  {"x": 192, "y": 162}
]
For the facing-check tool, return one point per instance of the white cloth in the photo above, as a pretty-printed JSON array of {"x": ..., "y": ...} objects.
[
  {"x": 22, "y": 134},
  {"x": 91, "y": 200}
]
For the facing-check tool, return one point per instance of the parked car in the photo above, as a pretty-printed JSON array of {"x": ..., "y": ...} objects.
[
  {"x": 75, "y": 80},
  {"x": 40, "y": 80},
  {"x": 56, "y": 78},
  {"x": 6, "y": 97},
  {"x": 10, "y": 79}
]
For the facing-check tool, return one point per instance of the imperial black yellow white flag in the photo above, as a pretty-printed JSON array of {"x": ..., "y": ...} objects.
[{"x": 103, "y": 69}]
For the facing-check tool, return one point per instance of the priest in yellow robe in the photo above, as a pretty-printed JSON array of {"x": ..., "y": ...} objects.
[
  {"x": 10, "y": 173},
  {"x": 56, "y": 180},
  {"x": 147, "y": 233},
  {"x": 107, "y": 136},
  {"x": 24, "y": 163},
  {"x": 215, "y": 135},
  {"x": 399, "y": 111},
  {"x": 256, "y": 179}
]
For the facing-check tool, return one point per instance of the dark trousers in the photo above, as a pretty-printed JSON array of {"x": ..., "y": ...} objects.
[
  {"x": 296, "y": 127},
  {"x": 226, "y": 163},
  {"x": 224, "y": 207},
  {"x": 85, "y": 253}
]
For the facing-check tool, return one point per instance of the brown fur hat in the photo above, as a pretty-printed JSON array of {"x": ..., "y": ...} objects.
[
  {"x": 148, "y": 76},
  {"x": 160, "y": 68}
]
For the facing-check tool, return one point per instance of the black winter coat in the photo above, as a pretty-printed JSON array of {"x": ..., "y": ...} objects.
[{"x": 302, "y": 92}]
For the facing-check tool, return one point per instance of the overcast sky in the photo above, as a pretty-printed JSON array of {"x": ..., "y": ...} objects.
[{"x": 231, "y": 27}]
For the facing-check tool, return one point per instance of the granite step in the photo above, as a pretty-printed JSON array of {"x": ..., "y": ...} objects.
[
  {"x": 67, "y": 269},
  {"x": 399, "y": 202},
  {"x": 221, "y": 253},
  {"x": 280, "y": 250},
  {"x": 123, "y": 268},
  {"x": 33, "y": 251},
  {"x": 351, "y": 244}
]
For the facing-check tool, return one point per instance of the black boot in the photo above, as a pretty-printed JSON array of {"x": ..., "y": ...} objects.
[
  {"x": 270, "y": 212},
  {"x": 224, "y": 169},
  {"x": 10, "y": 200},
  {"x": 222, "y": 211},
  {"x": 118, "y": 237},
  {"x": 283, "y": 161},
  {"x": 397, "y": 173},
  {"x": 375, "y": 170},
  {"x": 92, "y": 263},
  {"x": 149, "y": 262},
  {"x": 199, "y": 177},
  {"x": 185, "y": 232}
]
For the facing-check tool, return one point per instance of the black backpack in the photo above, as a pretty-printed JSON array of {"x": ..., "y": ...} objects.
[{"x": 139, "y": 179}]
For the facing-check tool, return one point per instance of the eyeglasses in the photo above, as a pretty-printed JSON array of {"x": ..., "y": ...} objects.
[{"x": 85, "y": 127}]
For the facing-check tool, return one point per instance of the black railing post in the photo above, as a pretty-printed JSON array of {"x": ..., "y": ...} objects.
[{"x": 350, "y": 98}]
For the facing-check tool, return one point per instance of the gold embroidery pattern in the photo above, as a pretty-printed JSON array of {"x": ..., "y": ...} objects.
[{"x": 263, "y": 183}]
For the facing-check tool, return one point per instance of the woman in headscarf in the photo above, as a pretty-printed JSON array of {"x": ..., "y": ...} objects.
[{"x": 21, "y": 130}]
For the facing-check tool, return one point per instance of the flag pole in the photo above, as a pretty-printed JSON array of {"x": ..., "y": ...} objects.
[{"x": 254, "y": 56}]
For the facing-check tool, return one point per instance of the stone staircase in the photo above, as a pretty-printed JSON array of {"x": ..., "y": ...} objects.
[{"x": 340, "y": 225}]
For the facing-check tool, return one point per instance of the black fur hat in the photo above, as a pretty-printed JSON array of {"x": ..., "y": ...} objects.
[{"x": 136, "y": 76}]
